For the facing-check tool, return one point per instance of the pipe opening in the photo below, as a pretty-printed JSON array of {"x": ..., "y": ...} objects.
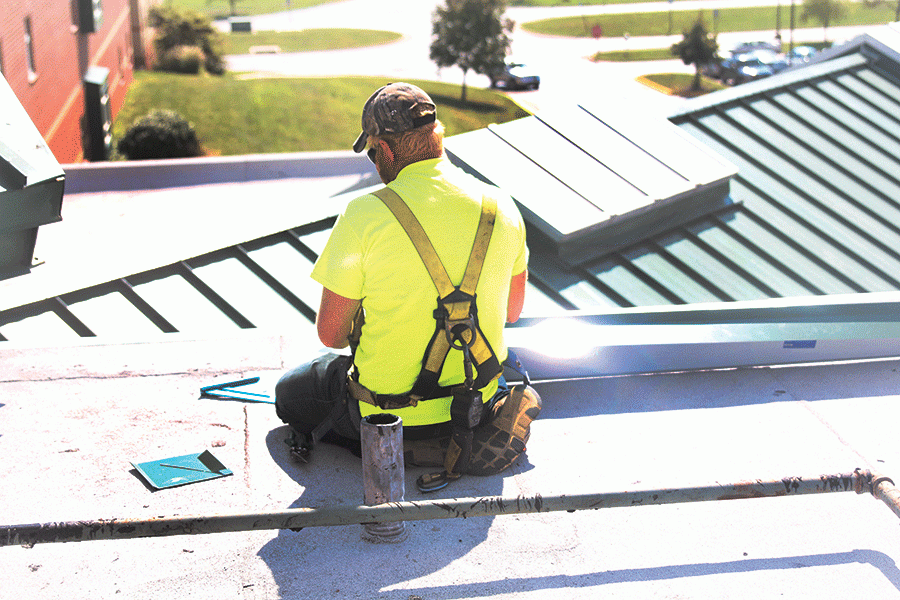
[{"x": 381, "y": 419}]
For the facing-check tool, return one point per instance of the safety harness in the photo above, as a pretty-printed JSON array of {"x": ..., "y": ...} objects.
[{"x": 457, "y": 327}]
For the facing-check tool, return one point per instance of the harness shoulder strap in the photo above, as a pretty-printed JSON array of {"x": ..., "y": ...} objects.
[
  {"x": 426, "y": 250},
  {"x": 458, "y": 301},
  {"x": 419, "y": 238}
]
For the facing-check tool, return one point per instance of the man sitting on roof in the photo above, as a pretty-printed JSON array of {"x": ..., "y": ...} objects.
[{"x": 380, "y": 283}]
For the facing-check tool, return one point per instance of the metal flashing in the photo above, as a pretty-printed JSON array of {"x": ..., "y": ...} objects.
[
  {"x": 715, "y": 336},
  {"x": 31, "y": 185}
]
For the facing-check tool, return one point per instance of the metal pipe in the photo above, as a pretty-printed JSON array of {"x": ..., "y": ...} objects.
[
  {"x": 381, "y": 441},
  {"x": 885, "y": 490},
  {"x": 860, "y": 481}
]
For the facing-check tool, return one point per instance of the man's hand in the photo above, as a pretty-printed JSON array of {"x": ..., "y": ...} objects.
[{"x": 335, "y": 319}]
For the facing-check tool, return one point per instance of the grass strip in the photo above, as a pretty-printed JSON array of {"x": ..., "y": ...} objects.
[
  {"x": 678, "y": 84},
  {"x": 234, "y": 115},
  {"x": 221, "y": 9},
  {"x": 308, "y": 39},
  {"x": 733, "y": 19},
  {"x": 546, "y": 3}
]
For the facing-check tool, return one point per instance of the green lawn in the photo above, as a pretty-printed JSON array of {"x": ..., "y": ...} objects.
[
  {"x": 248, "y": 116},
  {"x": 308, "y": 39},
  {"x": 571, "y": 2},
  {"x": 222, "y": 8},
  {"x": 735, "y": 19}
]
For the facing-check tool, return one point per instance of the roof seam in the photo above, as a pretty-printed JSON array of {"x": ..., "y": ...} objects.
[
  {"x": 766, "y": 256},
  {"x": 821, "y": 206},
  {"x": 837, "y": 166}
]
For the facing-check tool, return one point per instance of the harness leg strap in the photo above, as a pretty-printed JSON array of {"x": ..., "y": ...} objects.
[{"x": 466, "y": 411}]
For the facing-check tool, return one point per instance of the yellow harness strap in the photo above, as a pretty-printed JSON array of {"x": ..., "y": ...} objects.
[{"x": 458, "y": 311}]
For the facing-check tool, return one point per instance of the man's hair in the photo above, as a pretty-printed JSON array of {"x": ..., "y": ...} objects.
[{"x": 416, "y": 144}]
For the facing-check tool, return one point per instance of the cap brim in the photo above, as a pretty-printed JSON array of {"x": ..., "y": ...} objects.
[{"x": 360, "y": 144}]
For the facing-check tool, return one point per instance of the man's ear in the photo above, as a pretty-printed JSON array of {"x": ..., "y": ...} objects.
[{"x": 386, "y": 149}]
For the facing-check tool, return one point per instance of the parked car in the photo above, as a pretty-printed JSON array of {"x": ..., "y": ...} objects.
[
  {"x": 744, "y": 67},
  {"x": 776, "y": 60},
  {"x": 800, "y": 54},
  {"x": 515, "y": 76},
  {"x": 745, "y": 47}
]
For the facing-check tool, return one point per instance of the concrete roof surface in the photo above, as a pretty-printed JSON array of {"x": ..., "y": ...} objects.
[{"x": 75, "y": 417}]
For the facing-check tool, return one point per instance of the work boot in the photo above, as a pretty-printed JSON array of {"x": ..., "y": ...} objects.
[{"x": 501, "y": 439}]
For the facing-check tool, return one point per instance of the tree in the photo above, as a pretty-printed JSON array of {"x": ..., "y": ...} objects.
[
  {"x": 697, "y": 48},
  {"x": 824, "y": 11},
  {"x": 470, "y": 34}
]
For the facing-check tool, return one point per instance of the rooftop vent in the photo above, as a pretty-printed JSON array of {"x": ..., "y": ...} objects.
[
  {"x": 31, "y": 185},
  {"x": 592, "y": 185}
]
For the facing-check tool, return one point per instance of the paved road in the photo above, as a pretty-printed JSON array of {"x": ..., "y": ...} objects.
[{"x": 567, "y": 75}]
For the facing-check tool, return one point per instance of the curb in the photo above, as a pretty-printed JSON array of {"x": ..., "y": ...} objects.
[{"x": 653, "y": 85}]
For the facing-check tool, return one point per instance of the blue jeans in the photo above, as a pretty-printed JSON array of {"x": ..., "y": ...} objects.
[{"x": 306, "y": 395}]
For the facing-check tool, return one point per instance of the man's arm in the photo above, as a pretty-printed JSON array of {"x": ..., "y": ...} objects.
[
  {"x": 516, "y": 296},
  {"x": 335, "y": 319}
]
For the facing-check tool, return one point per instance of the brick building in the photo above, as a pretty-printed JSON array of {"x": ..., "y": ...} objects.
[{"x": 48, "y": 48}]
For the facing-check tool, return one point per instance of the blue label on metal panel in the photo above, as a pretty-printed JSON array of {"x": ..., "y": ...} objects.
[{"x": 800, "y": 344}]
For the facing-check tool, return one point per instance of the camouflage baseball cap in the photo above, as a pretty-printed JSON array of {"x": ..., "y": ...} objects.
[{"x": 394, "y": 108}]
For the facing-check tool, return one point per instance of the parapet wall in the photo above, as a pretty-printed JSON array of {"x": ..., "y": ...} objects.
[{"x": 183, "y": 172}]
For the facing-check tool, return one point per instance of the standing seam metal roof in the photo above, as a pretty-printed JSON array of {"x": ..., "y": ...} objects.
[
  {"x": 816, "y": 199},
  {"x": 815, "y": 210}
]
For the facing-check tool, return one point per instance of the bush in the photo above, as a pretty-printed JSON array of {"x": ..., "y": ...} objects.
[
  {"x": 176, "y": 28},
  {"x": 181, "y": 59},
  {"x": 160, "y": 134}
]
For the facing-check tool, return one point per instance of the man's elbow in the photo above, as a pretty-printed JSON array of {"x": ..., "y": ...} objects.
[{"x": 332, "y": 339}]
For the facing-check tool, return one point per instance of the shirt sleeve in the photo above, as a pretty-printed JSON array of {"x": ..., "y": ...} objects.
[
  {"x": 339, "y": 267},
  {"x": 521, "y": 261}
]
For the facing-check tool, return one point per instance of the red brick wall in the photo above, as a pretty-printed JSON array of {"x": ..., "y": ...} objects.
[{"x": 54, "y": 98}]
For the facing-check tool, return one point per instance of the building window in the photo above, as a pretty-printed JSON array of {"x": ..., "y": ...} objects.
[{"x": 29, "y": 51}]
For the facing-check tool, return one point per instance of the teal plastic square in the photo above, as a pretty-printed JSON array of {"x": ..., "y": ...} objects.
[{"x": 181, "y": 470}]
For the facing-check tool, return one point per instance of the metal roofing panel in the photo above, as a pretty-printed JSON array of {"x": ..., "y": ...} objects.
[
  {"x": 859, "y": 132},
  {"x": 787, "y": 203},
  {"x": 292, "y": 269},
  {"x": 753, "y": 260},
  {"x": 628, "y": 277},
  {"x": 561, "y": 209},
  {"x": 666, "y": 144},
  {"x": 183, "y": 306},
  {"x": 36, "y": 328},
  {"x": 629, "y": 180},
  {"x": 261, "y": 305},
  {"x": 839, "y": 92},
  {"x": 111, "y": 315},
  {"x": 586, "y": 175},
  {"x": 625, "y": 160},
  {"x": 783, "y": 251}
]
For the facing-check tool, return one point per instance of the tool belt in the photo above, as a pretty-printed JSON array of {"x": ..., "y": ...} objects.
[{"x": 456, "y": 326}]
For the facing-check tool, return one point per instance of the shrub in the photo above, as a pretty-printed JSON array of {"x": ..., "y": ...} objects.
[
  {"x": 160, "y": 134},
  {"x": 180, "y": 27},
  {"x": 181, "y": 59}
]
